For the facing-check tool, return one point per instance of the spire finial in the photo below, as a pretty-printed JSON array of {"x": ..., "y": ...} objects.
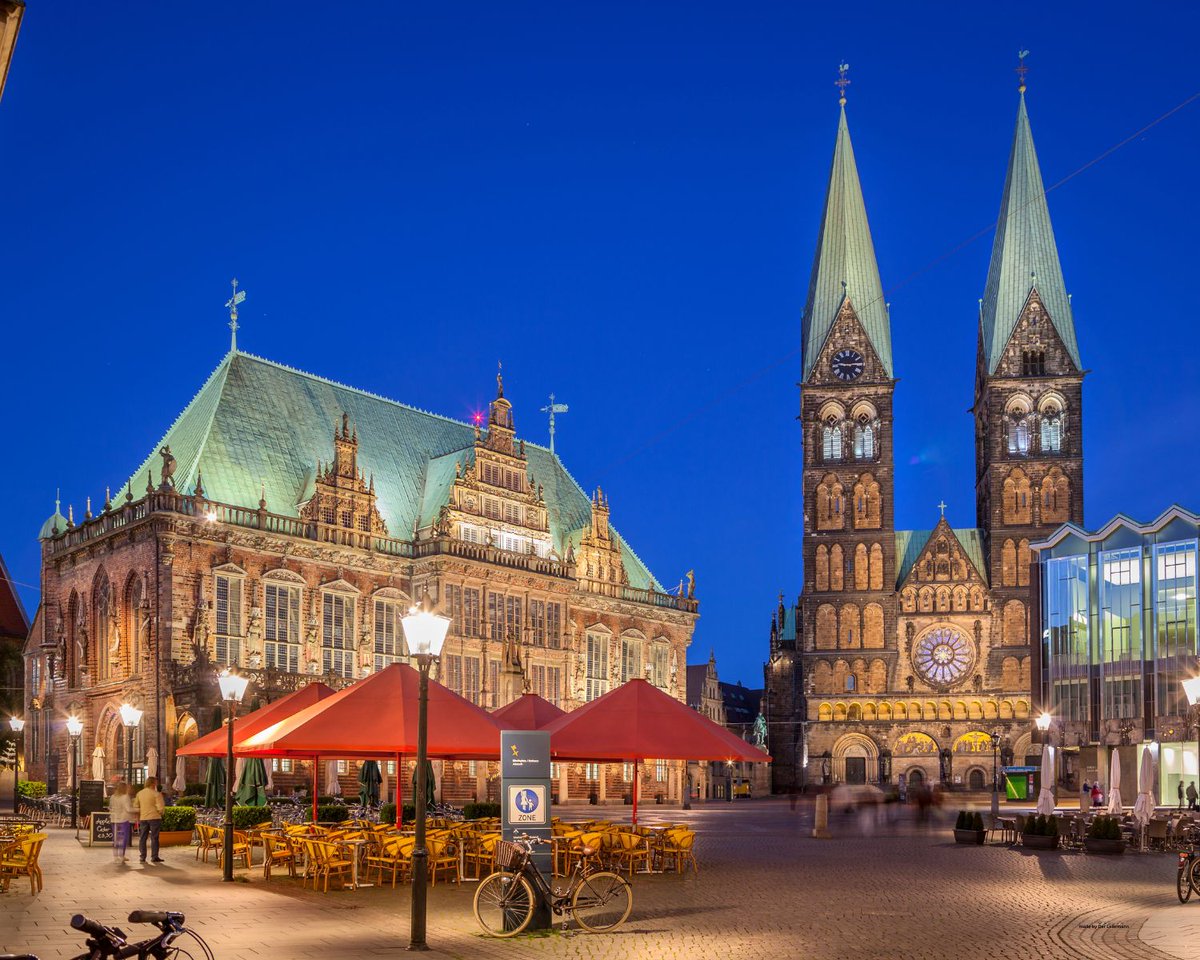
[
  {"x": 1020, "y": 70},
  {"x": 232, "y": 304},
  {"x": 57, "y": 499},
  {"x": 942, "y": 507},
  {"x": 499, "y": 379},
  {"x": 842, "y": 82}
]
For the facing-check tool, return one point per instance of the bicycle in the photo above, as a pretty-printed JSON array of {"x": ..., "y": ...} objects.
[
  {"x": 505, "y": 902},
  {"x": 111, "y": 942},
  {"x": 1187, "y": 878}
]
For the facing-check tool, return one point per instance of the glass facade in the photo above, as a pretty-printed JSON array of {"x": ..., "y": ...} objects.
[{"x": 1119, "y": 635}]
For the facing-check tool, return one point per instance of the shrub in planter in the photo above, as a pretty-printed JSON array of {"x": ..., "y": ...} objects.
[
  {"x": 31, "y": 789},
  {"x": 968, "y": 828},
  {"x": 1041, "y": 833},
  {"x": 329, "y": 813},
  {"x": 480, "y": 811},
  {"x": 387, "y": 813},
  {"x": 190, "y": 800},
  {"x": 245, "y": 817},
  {"x": 193, "y": 787},
  {"x": 1104, "y": 836},
  {"x": 175, "y": 819}
]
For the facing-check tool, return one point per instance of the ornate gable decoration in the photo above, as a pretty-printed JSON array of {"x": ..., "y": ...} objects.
[
  {"x": 598, "y": 560},
  {"x": 343, "y": 497},
  {"x": 1035, "y": 347},
  {"x": 943, "y": 578},
  {"x": 847, "y": 333}
]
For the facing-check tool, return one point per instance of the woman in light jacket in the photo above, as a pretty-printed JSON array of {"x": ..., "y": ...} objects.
[{"x": 120, "y": 809}]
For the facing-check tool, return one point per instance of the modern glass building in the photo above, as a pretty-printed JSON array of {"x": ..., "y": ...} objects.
[{"x": 1117, "y": 622}]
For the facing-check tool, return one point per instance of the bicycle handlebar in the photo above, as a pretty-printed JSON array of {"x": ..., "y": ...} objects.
[
  {"x": 157, "y": 917},
  {"x": 91, "y": 927},
  {"x": 528, "y": 838}
]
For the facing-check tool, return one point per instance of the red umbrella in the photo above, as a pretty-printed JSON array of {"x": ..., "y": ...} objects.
[
  {"x": 637, "y": 722},
  {"x": 527, "y": 712},
  {"x": 215, "y": 744},
  {"x": 377, "y": 717}
]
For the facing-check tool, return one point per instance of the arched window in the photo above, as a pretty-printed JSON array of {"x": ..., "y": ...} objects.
[
  {"x": 851, "y": 683},
  {"x": 849, "y": 631},
  {"x": 864, "y": 438},
  {"x": 1017, "y": 509},
  {"x": 1018, "y": 435},
  {"x": 861, "y": 573},
  {"x": 826, "y": 636},
  {"x": 866, "y": 503},
  {"x": 831, "y": 440},
  {"x": 1024, "y": 559},
  {"x": 873, "y": 626},
  {"x": 1052, "y": 428},
  {"x": 822, "y": 571},
  {"x": 830, "y": 504},
  {"x": 1008, "y": 564},
  {"x": 854, "y": 714},
  {"x": 876, "y": 567},
  {"x": 837, "y": 567},
  {"x": 1014, "y": 624},
  {"x": 1056, "y": 497}
]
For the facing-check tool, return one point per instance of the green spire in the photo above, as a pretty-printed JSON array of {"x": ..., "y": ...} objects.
[
  {"x": 844, "y": 267},
  {"x": 1024, "y": 256}
]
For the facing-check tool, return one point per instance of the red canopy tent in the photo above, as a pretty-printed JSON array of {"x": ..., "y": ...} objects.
[
  {"x": 216, "y": 744},
  {"x": 527, "y": 712},
  {"x": 377, "y": 718},
  {"x": 637, "y": 722}
]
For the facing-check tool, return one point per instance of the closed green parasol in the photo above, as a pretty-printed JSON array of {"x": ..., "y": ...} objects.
[
  {"x": 369, "y": 779},
  {"x": 214, "y": 783},
  {"x": 252, "y": 789}
]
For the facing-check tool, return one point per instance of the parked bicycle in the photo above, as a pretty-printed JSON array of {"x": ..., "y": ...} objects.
[
  {"x": 506, "y": 900},
  {"x": 112, "y": 942},
  {"x": 1187, "y": 879}
]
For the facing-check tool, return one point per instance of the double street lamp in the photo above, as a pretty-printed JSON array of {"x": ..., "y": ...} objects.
[
  {"x": 233, "y": 688},
  {"x": 17, "y": 726},
  {"x": 425, "y": 632},
  {"x": 131, "y": 716},
  {"x": 74, "y": 731}
]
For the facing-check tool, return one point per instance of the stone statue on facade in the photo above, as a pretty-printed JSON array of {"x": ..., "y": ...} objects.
[
  {"x": 760, "y": 732},
  {"x": 691, "y": 584},
  {"x": 168, "y": 468}
]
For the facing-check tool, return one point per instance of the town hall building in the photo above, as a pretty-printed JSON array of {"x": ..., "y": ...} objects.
[{"x": 907, "y": 654}]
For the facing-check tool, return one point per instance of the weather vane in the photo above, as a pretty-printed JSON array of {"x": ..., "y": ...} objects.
[
  {"x": 842, "y": 82},
  {"x": 1021, "y": 69},
  {"x": 552, "y": 408},
  {"x": 231, "y": 305}
]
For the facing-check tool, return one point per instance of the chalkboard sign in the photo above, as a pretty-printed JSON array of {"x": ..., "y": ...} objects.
[
  {"x": 91, "y": 796},
  {"x": 100, "y": 829}
]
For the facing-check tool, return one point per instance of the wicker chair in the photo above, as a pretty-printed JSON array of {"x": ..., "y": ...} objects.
[
  {"x": 395, "y": 857},
  {"x": 277, "y": 852},
  {"x": 20, "y": 858}
]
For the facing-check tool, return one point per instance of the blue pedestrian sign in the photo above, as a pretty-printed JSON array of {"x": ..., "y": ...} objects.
[{"x": 527, "y": 804}]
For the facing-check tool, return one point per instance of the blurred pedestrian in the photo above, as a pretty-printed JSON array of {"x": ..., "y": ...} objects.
[
  {"x": 1191, "y": 795},
  {"x": 150, "y": 808},
  {"x": 1097, "y": 794},
  {"x": 1181, "y": 794},
  {"x": 120, "y": 810},
  {"x": 1085, "y": 795}
]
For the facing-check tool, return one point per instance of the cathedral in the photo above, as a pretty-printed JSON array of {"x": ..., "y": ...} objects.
[
  {"x": 284, "y": 524},
  {"x": 906, "y": 657}
]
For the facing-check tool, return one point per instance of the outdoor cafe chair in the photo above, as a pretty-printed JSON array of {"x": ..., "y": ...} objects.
[
  {"x": 331, "y": 861},
  {"x": 210, "y": 841},
  {"x": 394, "y": 857},
  {"x": 679, "y": 849},
  {"x": 20, "y": 858},
  {"x": 480, "y": 854},
  {"x": 277, "y": 852},
  {"x": 1157, "y": 833},
  {"x": 633, "y": 850},
  {"x": 443, "y": 857},
  {"x": 241, "y": 847}
]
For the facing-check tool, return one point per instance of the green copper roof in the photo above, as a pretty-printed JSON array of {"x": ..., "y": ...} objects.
[
  {"x": 845, "y": 266},
  {"x": 258, "y": 426},
  {"x": 55, "y": 524},
  {"x": 910, "y": 543},
  {"x": 1024, "y": 255}
]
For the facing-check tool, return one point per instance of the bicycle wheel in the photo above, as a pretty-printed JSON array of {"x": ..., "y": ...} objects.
[
  {"x": 602, "y": 901},
  {"x": 1193, "y": 870},
  {"x": 1183, "y": 882},
  {"x": 504, "y": 904}
]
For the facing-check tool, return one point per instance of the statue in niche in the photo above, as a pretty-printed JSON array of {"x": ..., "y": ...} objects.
[{"x": 200, "y": 631}]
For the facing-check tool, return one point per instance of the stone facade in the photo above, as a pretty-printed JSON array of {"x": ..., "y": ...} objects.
[{"x": 146, "y": 599}]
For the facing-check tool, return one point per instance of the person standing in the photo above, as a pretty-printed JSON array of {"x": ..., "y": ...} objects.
[
  {"x": 1181, "y": 793},
  {"x": 1097, "y": 794},
  {"x": 1085, "y": 798},
  {"x": 1191, "y": 795},
  {"x": 150, "y": 808},
  {"x": 120, "y": 809}
]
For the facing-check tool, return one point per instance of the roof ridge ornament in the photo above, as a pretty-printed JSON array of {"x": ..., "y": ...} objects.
[
  {"x": 231, "y": 305},
  {"x": 842, "y": 82},
  {"x": 1020, "y": 70}
]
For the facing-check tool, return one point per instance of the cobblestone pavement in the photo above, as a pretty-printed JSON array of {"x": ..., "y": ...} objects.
[{"x": 766, "y": 889}]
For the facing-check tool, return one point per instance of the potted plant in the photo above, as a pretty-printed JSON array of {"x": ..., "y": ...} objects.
[
  {"x": 969, "y": 828},
  {"x": 1104, "y": 836},
  {"x": 1041, "y": 833},
  {"x": 177, "y": 826}
]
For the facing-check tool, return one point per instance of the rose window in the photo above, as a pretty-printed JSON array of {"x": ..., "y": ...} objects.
[{"x": 943, "y": 656}]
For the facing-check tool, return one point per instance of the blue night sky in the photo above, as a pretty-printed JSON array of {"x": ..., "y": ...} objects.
[{"x": 619, "y": 200}]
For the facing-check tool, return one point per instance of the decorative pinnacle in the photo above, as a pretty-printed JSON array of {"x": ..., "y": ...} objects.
[
  {"x": 1020, "y": 70},
  {"x": 499, "y": 379},
  {"x": 842, "y": 82},
  {"x": 232, "y": 304}
]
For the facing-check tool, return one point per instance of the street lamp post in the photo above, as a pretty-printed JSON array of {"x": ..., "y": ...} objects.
[
  {"x": 729, "y": 770},
  {"x": 17, "y": 726},
  {"x": 131, "y": 716},
  {"x": 995, "y": 776},
  {"x": 1043, "y": 724},
  {"x": 74, "y": 730},
  {"x": 233, "y": 688},
  {"x": 425, "y": 632}
]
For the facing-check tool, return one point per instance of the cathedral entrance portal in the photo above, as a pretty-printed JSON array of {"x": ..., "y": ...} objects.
[{"x": 856, "y": 769}]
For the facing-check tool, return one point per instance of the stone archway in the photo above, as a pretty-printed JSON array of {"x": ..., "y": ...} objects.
[
  {"x": 855, "y": 758},
  {"x": 976, "y": 779}
]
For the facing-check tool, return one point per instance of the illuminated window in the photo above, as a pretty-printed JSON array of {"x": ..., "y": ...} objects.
[
  {"x": 281, "y": 627},
  {"x": 229, "y": 618},
  {"x": 337, "y": 634}
]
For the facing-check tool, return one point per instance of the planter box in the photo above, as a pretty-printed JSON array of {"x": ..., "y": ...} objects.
[
  {"x": 1104, "y": 846},
  {"x": 1034, "y": 842},
  {"x": 969, "y": 836},
  {"x": 174, "y": 838}
]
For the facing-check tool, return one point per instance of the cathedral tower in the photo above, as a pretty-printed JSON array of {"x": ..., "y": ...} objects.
[{"x": 1028, "y": 391}]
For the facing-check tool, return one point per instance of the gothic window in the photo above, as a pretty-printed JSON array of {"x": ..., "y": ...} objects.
[
  {"x": 830, "y": 504},
  {"x": 631, "y": 659},
  {"x": 103, "y": 626},
  {"x": 1052, "y": 428},
  {"x": 876, "y": 567},
  {"x": 1017, "y": 509},
  {"x": 831, "y": 440},
  {"x": 659, "y": 674},
  {"x": 1033, "y": 363},
  {"x": 1024, "y": 559},
  {"x": 822, "y": 571},
  {"x": 861, "y": 573},
  {"x": 281, "y": 626},
  {"x": 1056, "y": 497},
  {"x": 389, "y": 633},
  {"x": 849, "y": 630},
  {"x": 1018, "y": 435},
  {"x": 597, "y": 666},
  {"x": 837, "y": 567},
  {"x": 864, "y": 438},
  {"x": 976, "y": 598},
  {"x": 826, "y": 633},
  {"x": 873, "y": 626},
  {"x": 1014, "y": 623},
  {"x": 228, "y": 590},
  {"x": 134, "y": 620},
  {"x": 866, "y": 503},
  {"x": 337, "y": 633},
  {"x": 851, "y": 683},
  {"x": 1008, "y": 564}
]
